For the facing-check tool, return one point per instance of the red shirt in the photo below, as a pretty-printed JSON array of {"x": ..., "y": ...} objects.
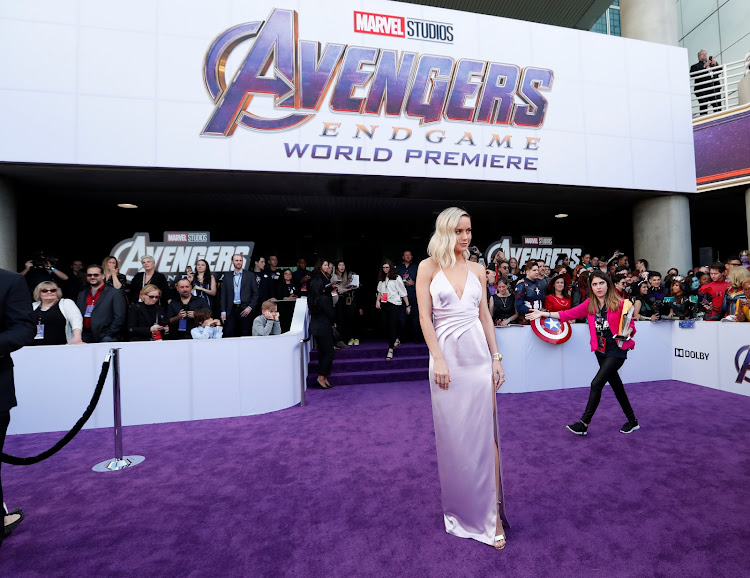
[
  {"x": 716, "y": 289},
  {"x": 91, "y": 300},
  {"x": 552, "y": 303}
]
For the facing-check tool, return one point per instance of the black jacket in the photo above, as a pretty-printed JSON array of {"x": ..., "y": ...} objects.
[
  {"x": 141, "y": 318},
  {"x": 706, "y": 83},
  {"x": 320, "y": 303},
  {"x": 17, "y": 328},
  {"x": 174, "y": 308},
  {"x": 108, "y": 317},
  {"x": 157, "y": 279},
  {"x": 248, "y": 291}
]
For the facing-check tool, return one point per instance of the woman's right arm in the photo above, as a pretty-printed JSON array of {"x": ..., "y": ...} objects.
[{"x": 425, "y": 272}]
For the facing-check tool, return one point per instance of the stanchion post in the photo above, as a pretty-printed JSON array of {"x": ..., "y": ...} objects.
[
  {"x": 303, "y": 388},
  {"x": 119, "y": 462},
  {"x": 116, "y": 402}
]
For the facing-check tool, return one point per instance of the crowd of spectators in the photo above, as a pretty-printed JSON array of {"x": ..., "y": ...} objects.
[
  {"x": 97, "y": 303},
  {"x": 716, "y": 292}
]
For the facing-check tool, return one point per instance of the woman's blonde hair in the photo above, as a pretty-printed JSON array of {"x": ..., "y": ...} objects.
[
  {"x": 106, "y": 261},
  {"x": 150, "y": 287},
  {"x": 737, "y": 276},
  {"x": 46, "y": 285},
  {"x": 442, "y": 244}
]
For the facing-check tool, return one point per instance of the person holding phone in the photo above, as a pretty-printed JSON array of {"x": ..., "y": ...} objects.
[
  {"x": 391, "y": 294},
  {"x": 604, "y": 313}
]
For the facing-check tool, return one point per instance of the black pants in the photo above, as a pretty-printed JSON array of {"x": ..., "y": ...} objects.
[
  {"x": 608, "y": 368},
  {"x": 391, "y": 321},
  {"x": 347, "y": 319},
  {"x": 236, "y": 325},
  {"x": 409, "y": 322},
  {"x": 704, "y": 101},
  {"x": 324, "y": 342},
  {"x": 4, "y": 422}
]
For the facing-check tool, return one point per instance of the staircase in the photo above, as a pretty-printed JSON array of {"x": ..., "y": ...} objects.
[{"x": 365, "y": 363}]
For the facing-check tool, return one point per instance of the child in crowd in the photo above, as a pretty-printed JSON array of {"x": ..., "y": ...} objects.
[
  {"x": 267, "y": 323},
  {"x": 206, "y": 327}
]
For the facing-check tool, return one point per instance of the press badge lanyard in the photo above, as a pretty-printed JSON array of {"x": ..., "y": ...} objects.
[
  {"x": 40, "y": 326},
  {"x": 237, "y": 285}
]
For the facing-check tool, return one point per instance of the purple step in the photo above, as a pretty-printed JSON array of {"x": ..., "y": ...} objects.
[
  {"x": 399, "y": 361},
  {"x": 382, "y": 376},
  {"x": 375, "y": 350}
]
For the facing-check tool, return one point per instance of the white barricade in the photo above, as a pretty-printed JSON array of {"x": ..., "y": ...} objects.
[
  {"x": 714, "y": 355},
  {"x": 531, "y": 364},
  {"x": 162, "y": 382}
]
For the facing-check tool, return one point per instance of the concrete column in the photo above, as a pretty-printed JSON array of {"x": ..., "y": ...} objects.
[
  {"x": 649, "y": 20},
  {"x": 743, "y": 89},
  {"x": 661, "y": 226},
  {"x": 661, "y": 230},
  {"x": 8, "y": 243}
]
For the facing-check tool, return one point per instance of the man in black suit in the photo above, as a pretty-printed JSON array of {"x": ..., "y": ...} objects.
[
  {"x": 17, "y": 329},
  {"x": 706, "y": 84},
  {"x": 103, "y": 308},
  {"x": 239, "y": 296}
]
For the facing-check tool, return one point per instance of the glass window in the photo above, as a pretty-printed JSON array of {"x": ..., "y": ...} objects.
[
  {"x": 601, "y": 25},
  {"x": 614, "y": 22}
]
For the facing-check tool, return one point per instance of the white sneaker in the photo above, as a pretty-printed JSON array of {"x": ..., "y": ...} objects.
[
  {"x": 351, "y": 342},
  {"x": 356, "y": 342},
  {"x": 397, "y": 343}
]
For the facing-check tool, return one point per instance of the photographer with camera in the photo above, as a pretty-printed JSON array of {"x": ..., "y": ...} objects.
[
  {"x": 40, "y": 269},
  {"x": 181, "y": 311},
  {"x": 706, "y": 85}
]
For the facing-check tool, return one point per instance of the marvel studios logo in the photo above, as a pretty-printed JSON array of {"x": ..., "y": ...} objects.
[{"x": 401, "y": 27}]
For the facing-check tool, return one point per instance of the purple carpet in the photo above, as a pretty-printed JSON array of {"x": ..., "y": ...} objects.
[{"x": 348, "y": 486}]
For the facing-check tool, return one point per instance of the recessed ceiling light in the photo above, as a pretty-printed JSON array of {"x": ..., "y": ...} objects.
[
  {"x": 561, "y": 215},
  {"x": 127, "y": 206}
]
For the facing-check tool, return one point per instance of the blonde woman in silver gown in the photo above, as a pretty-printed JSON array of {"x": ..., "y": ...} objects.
[{"x": 465, "y": 373}]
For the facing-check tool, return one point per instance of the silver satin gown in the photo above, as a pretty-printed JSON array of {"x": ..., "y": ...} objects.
[{"x": 465, "y": 414}]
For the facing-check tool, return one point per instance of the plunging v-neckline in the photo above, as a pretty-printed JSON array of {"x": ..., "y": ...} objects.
[{"x": 466, "y": 282}]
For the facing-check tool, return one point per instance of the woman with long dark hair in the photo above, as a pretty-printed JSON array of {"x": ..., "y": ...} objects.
[
  {"x": 644, "y": 305},
  {"x": 322, "y": 318},
  {"x": 347, "y": 310},
  {"x": 204, "y": 284},
  {"x": 285, "y": 288},
  {"x": 391, "y": 294},
  {"x": 558, "y": 294},
  {"x": 603, "y": 311}
]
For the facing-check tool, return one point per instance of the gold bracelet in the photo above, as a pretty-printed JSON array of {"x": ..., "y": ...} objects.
[{"x": 497, "y": 356}]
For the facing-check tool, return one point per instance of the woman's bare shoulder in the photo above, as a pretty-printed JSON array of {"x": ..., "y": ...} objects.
[{"x": 428, "y": 265}]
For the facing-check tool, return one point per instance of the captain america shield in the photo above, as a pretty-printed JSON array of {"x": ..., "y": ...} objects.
[{"x": 551, "y": 330}]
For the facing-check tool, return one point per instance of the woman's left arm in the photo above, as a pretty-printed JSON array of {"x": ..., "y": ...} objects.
[{"x": 485, "y": 318}]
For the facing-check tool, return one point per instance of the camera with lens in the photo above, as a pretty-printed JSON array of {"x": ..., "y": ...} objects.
[{"x": 39, "y": 261}]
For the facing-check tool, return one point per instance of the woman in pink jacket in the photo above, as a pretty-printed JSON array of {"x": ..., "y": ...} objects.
[{"x": 603, "y": 311}]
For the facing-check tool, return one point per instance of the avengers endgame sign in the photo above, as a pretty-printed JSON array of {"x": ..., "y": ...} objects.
[{"x": 333, "y": 87}]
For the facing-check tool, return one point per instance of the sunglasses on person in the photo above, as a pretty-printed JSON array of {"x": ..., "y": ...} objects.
[
  {"x": 48, "y": 291},
  {"x": 152, "y": 296},
  {"x": 93, "y": 274}
]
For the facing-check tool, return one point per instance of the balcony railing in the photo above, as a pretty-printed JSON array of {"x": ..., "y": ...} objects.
[{"x": 717, "y": 86}]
